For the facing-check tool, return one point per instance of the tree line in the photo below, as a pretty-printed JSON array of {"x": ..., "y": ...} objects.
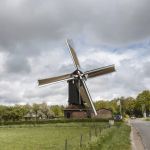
[
  {"x": 30, "y": 112},
  {"x": 128, "y": 105}
]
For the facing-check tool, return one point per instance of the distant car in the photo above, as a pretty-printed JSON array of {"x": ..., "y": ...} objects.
[
  {"x": 133, "y": 117},
  {"x": 117, "y": 117}
]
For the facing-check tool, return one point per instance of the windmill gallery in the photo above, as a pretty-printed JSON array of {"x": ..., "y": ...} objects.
[{"x": 80, "y": 104}]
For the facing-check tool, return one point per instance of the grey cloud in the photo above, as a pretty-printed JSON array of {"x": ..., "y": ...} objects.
[
  {"x": 17, "y": 64},
  {"x": 125, "y": 82},
  {"x": 102, "y": 21},
  {"x": 145, "y": 69},
  {"x": 131, "y": 77},
  {"x": 90, "y": 64},
  {"x": 66, "y": 68},
  {"x": 8, "y": 101},
  {"x": 32, "y": 33}
]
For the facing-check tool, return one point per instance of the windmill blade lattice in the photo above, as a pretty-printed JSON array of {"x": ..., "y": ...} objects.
[
  {"x": 73, "y": 54},
  {"x": 85, "y": 94},
  {"x": 54, "y": 79},
  {"x": 100, "y": 71}
]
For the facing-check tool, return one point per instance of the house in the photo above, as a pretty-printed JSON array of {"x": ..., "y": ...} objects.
[
  {"x": 73, "y": 111},
  {"x": 33, "y": 116},
  {"x": 30, "y": 116},
  {"x": 103, "y": 113}
]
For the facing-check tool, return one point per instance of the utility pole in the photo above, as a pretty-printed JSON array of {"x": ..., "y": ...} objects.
[
  {"x": 120, "y": 107},
  {"x": 143, "y": 110}
]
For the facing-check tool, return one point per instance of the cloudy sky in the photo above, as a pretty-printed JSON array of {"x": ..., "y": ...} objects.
[{"x": 32, "y": 46}]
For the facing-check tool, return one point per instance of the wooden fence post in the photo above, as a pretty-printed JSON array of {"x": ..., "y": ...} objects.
[
  {"x": 100, "y": 130},
  {"x": 90, "y": 134},
  {"x": 95, "y": 131},
  {"x": 66, "y": 143},
  {"x": 81, "y": 140}
]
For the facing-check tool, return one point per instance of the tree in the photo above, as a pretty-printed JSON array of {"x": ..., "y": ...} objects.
[
  {"x": 143, "y": 99},
  {"x": 129, "y": 106},
  {"x": 3, "y": 113},
  {"x": 46, "y": 110},
  {"x": 36, "y": 108},
  {"x": 57, "y": 110}
]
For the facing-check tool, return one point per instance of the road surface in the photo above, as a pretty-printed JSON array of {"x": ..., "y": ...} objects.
[{"x": 143, "y": 127}]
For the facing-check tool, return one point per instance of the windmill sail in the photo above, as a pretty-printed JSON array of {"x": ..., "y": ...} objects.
[
  {"x": 54, "y": 79},
  {"x": 100, "y": 71},
  {"x": 73, "y": 54},
  {"x": 84, "y": 92}
]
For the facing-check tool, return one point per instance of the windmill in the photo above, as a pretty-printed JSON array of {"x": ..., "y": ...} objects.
[{"x": 78, "y": 93}]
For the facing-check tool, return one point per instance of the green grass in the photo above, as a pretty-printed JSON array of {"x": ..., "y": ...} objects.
[
  {"x": 53, "y": 136},
  {"x": 147, "y": 119},
  {"x": 114, "y": 138},
  {"x": 44, "y": 137}
]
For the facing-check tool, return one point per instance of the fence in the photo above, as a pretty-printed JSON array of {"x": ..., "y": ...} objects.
[
  {"x": 84, "y": 139},
  {"x": 80, "y": 138}
]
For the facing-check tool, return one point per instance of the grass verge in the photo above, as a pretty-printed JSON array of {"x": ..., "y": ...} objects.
[
  {"x": 147, "y": 119},
  {"x": 114, "y": 138}
]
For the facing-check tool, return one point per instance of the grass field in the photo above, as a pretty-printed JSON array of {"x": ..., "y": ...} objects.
[
  {"x": 53, "y": 136},
  {"x": 114, "y": 138}
]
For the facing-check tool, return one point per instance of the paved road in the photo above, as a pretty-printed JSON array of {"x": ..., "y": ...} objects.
[{"x": 143, "y": 128}]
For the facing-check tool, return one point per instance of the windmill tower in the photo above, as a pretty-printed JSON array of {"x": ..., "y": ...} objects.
[{"x": 80, "y": 104}]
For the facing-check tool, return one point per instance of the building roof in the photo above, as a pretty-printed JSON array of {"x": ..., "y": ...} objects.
[{"x": 104, "y": 109}]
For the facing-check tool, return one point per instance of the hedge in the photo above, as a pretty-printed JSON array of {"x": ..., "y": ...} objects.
[{"x": 51, "y": 121}]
